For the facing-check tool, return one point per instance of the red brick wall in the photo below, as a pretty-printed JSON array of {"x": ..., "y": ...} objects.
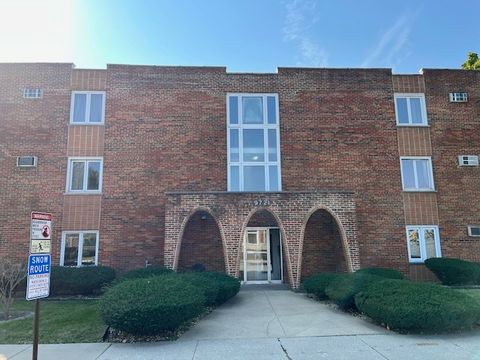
[
  {"x": 262, "y": 218},
  {"x": 322, "y": 246},
  {"x": 202, "y": 244}
]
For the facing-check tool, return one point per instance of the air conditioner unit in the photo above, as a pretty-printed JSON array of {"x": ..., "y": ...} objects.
[
  {"x": 26, "y": 161},
  {"x": 468, "y": 160},
  {"x": 458, "y": 97}
]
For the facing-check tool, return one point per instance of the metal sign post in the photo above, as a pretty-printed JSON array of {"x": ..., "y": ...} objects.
[{"x": 39, "y": 266}]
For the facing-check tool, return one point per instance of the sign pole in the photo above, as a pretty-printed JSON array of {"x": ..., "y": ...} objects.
[{"x": 36, "y": 324}]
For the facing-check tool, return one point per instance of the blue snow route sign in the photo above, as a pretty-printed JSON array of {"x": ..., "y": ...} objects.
[{"x": 38, "y": 280}]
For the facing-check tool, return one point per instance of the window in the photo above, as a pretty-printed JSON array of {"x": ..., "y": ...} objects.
[
  {"x": 79, "y": 248},
  {"x": 410, "y": 110},
  {"x": 474, "y": 230},
  {"x": 87, "y": 107},
  {"x": 423, "y": 243},
  {"x": 26, "y": 161},
  {"x": 417, "y": 174},
  {"x": 84, "y": 175},
  {"x": 468, "y": 160},
  {"x": 458, "y": 97},
  {"x": 253, "y": 142},
  {"x": 30, "y": 93}
]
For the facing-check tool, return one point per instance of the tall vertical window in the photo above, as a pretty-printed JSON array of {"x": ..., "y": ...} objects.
[
  {"x": 253, "y": 142},
  {"x": 79, "y": 248},
  {"x": 423, "y": 242},
  {"x": 410, "y": 110},
  {"x": 87, "y": 107},
  {"x": 84, "y": 175}
]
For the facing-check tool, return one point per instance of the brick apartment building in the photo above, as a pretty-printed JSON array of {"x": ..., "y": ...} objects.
[{"x": 270, "y": 177}]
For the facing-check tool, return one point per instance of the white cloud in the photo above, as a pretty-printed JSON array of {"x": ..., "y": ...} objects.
[
  {"x": 393, "y": 46},
  {"x": 300, "y": 18}
]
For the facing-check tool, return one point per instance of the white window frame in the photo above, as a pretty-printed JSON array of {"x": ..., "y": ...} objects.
[
  {"x": 87, "y": 107},
  {"x": 472, "y": 160},
  {"x": 423, "y": 105},
  {"x": 85, "y": 175},
  {"x": 470, "y": 230},
  {"x": 423, "y": 250},
  {"x": 415, "y": 174},
  {"x": 80, "y": 246},
  {"x": 32, "y": 93},
  {"x": 265, "y": 126}
]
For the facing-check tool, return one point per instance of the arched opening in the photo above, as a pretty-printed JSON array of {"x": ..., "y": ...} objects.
[
  {"x": 201, "y": 244},
  {"x": 262, "y": 251},
  {"x": 323, "y": 249}
]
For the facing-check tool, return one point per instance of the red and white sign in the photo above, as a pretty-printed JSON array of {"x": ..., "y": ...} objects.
[{"x": 41, "y": 228}]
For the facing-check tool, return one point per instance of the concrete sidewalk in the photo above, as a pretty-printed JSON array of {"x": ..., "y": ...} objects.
[{"x": 259, "y": 324}]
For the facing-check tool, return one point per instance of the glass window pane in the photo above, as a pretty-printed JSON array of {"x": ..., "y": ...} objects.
[
  {"x": 414, "y": 243},
  {"x": 423, "y": 174},
  {"x": 234, "y": 178},
  {"x": 272, "y": 145},
  {"x": 253, "y": 145},
  {"x": 93, "y": 175},
  {"x": 71, "y": 250},
  {"x": 233, "y": 108},
  {"x": 96, "y": 108},
  {"x": 78, "y": 168},
  {"x": 416, "y": 110},
  {"x": 402, "y": 112},
  {"x": 273, "y": 178},
  {"x": 79, "y": 107},
  {"x": 89, "y": 248},
  {"x": 254, "y": 178},
  {"x": 429, "y": 235},
  {"x": 408, "y": 174},
  {"x": 234, "y": 145},
  {"x": 271, "y": 110},
  {"x": 252, "y": 108}
]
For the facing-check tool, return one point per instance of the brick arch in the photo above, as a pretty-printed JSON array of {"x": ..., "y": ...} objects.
[
  {"x": 348, "y": 248},
  {"x": 183, "y": 227},
  {"x": 283, "y": 237}
]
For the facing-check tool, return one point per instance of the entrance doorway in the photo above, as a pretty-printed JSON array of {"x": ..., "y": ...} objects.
[{"x": 261, "y": 256}]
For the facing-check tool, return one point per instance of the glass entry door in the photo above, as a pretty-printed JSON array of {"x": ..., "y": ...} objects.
[{"x": 261, "y": 260}]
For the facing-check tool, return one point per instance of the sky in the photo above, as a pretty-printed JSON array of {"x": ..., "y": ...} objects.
[{"x": 243, "y": 35}]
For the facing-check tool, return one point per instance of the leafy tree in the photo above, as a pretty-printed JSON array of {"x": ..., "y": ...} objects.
[{"x": 472, "y": 62}]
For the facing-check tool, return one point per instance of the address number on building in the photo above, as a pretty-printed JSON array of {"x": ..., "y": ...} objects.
[{"x": 262, "y": 202}]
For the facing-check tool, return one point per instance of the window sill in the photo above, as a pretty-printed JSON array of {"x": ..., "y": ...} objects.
[
  {"x": 83, "y": 193},
  {"x": 419, "y": 191},
  {"x": 413, "y": 125},
  {"x": 86, "y": 124}
]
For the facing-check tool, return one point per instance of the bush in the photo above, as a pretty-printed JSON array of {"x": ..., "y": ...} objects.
[
  {"x": 228, "y": 286},
  {"x": 316, "y": 284},
  {"x": 343, "y": 289},
  {"x": 411, "y": 306},
  {"x": 383, "y": 272},
  {"x": 151, "y": 306},
  {"x": 207, "y": 284},
  {"x": 143, "y": 273},
  {"x": 454, "y": 271},
  {"x": 85, "y": 280}
]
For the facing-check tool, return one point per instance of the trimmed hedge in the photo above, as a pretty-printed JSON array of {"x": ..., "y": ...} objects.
[
  {"x": 151, "y": 306},
  {"x": 454, "y": 271},
  {"x": 85, "y": 280},
  {"x": 383, "y": 272},
  {"x": 411, "y": 306},
  {"x": 207, "y": 284},
  {"x": 146, "y": 272},
  {"x": 344, "y": 288},
  {"x": 228, "y": 286},
  {"x": 316, "y": 284}
]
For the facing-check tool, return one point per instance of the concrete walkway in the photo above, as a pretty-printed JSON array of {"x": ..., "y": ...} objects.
[{"x": 272, "y": 324}]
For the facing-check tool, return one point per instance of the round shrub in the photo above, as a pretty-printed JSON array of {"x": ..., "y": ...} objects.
[
  {"x": 383, "y": 272},
  {"x": 207, "y": 284},
  {"x": 147, "y": 272},
  {"x": 85, "y": 280},
  {"x": 151, "y": 306},
  {"x": 316, "y": 284},
  {"x": 454, "y": 271},
  {"x": 228, "y": 285},
  {"x": 414, "y": 307},
  {"x": 343, "y": 289}
]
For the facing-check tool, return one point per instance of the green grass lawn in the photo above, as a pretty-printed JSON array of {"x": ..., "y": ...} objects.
[{"x": 61, "y": 321}]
